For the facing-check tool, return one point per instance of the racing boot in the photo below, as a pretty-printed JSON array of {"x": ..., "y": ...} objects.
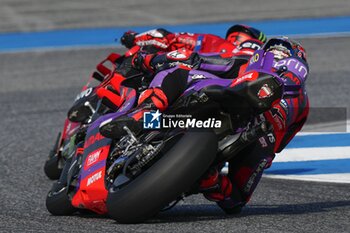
[
  {"x": 218, "y": 188},
  {"x": 152, "y": 99}
]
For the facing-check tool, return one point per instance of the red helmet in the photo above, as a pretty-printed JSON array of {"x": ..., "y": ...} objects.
[{"x": 240, "y": 33}]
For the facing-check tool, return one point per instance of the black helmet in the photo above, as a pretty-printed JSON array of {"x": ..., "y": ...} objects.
[{"x": 239, "y": 33}]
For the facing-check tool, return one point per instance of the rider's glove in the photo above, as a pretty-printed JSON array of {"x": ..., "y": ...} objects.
[
  {"x": 142, "y": 61},
  {"x": 183, "y": 40},
  {"x": 128, "y": 39}
]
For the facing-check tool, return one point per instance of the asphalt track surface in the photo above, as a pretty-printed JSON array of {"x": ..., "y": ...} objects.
[
  {"x": 35, "y": 92},
  {"x": 36, "y": 89}
]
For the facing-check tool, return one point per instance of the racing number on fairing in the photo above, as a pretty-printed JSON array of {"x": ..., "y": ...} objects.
[{"x": 84, "y": 93}]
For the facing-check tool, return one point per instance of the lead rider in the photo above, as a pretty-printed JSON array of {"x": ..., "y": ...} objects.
[
  {"x": 286, "y": 115},
  {"x": 162, "y": 40}
]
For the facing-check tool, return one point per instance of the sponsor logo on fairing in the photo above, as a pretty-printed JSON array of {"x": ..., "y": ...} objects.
[
  {"x": 93, "y": 157},
  {"x": 265, "y": 92},
  {"x": 254, "y": 58},
  {"x": 152, "y": 42},
  {"x": 251, "y": 76},
  {"x": 247, "y": 48},
  {"x": 177, "y": 55},
  {"x": 249, "y": 45},
  {"x": 247, "y": 76},
  {"x": 198, "y": 76},
  {"x": 92, "y": 139},
  {"x": 293, "y": 64},
  {"x": 95, "y": 177},
  {"x": 157, "y": 120},
  {"x": 177, "y": 63}
]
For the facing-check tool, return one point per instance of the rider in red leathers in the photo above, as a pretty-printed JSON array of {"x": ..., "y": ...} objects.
[
  {"x": 163, "y": 40},
  {"x": 286, "y": 115}
]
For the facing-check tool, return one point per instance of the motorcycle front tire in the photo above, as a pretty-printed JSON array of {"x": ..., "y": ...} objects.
[{"x": 173, "y": 174}]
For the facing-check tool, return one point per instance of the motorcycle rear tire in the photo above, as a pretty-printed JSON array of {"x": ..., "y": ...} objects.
[{"x": 174, "y": 173}]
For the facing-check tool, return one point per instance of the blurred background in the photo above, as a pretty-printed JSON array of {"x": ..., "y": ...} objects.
[
  {"x": 48, "y": 49},
  {"x": 37, "y": 15}
]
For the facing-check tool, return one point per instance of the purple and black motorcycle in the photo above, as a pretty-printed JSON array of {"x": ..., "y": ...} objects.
[{"x": 145, "y": 173}]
